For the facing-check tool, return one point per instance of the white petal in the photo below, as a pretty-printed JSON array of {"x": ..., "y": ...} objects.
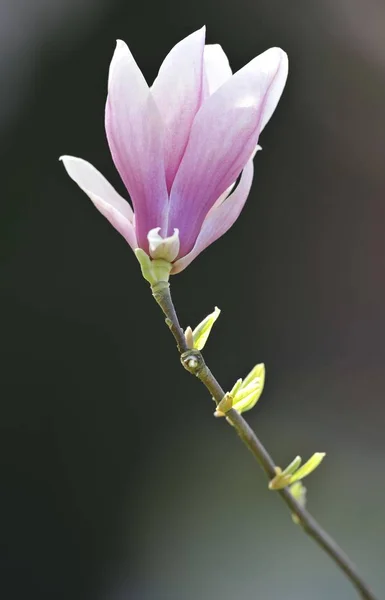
[
  {"x": 217, "y": 67},
  {"x": 104, "y": 197},
  {"x": 177, "y": 91},
  {"x": 224, "y": 135},
  {"x": 135, "y": 135},
  {"x": 275, "y": 58}
]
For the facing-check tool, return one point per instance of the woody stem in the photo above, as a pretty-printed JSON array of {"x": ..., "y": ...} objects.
[{"x": 193, "y": 362}]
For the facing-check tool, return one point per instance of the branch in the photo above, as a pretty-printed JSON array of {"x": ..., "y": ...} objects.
[{"x": 193, "y": 362}]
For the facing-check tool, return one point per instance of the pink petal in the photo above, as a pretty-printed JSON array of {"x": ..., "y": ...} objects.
[
  {"x": 219, "y": 219},
  {"x": 217, "y": 68},
  {"x": 223, "y": 137},
  {"x": 178, "y": 92},
  {"x": 103, "y": 196},
  {"x": 227, "y": 192},
  {"x": 276, "y": 86},
  {"x": 135, "y": 136}
]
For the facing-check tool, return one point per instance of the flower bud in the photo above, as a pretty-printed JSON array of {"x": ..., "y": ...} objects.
[{"x": 188, "y": 334}]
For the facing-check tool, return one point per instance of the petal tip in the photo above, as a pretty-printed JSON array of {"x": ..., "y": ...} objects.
[
  {"x": 276, "y": 56},
  {"x": 68, "y": 161},
  {"x": 121, "y": 50},
  {"x": 120, "y": 44},
  {"x": 282, "y": 57},
  {"x": 199, "y": 34}
]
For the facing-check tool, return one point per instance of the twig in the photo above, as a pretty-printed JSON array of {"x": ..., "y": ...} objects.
[{"x": 193, "y": 361}]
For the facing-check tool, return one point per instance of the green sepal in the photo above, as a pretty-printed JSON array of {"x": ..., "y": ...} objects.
[
  {"x": 154, "y": 271},
  {"x": 202, "y": 331}
]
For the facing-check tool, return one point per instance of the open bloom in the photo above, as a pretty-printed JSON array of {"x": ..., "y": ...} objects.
[{"x": 181, "y": 144}]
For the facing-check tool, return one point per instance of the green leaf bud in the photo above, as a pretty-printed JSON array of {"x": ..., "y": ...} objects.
[
  {"x": 246, "y": 393},
  {"x": 202, "y": 331},
  {"x": 308, "y": 467}
]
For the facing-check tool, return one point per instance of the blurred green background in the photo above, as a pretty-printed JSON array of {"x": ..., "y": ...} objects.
[{"x": 117, "y": 482}]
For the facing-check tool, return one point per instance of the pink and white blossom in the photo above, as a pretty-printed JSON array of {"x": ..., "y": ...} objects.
[{"x": 181, "y": 144}]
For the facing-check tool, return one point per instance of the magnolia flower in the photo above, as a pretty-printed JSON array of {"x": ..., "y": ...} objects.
[{"x": 181, "y": 144}]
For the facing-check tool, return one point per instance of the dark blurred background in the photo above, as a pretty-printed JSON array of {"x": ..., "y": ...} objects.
[{"x": 116, "y": 480}]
